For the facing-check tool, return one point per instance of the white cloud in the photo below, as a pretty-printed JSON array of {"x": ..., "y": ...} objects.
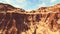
[
  {"x": 52, "y": 0},
  {"x": 19, "y": 1},
  {"x": 22, "y": 3},
  {"x": 42, "y": 5},
  {"x": 19, "y": 6},
  {"x": 8, "y": 1}
]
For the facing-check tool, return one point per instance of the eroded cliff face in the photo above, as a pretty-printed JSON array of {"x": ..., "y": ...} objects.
[{"x": 45, "y": 20}]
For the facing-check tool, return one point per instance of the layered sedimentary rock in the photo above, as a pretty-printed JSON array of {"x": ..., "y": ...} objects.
[{"x": 45, "y": 20}]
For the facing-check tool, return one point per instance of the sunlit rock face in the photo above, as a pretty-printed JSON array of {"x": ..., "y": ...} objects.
[{"x": 45, "y": 20}]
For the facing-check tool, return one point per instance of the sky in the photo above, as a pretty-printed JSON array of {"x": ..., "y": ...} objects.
[{"x": 30, "y": 4}]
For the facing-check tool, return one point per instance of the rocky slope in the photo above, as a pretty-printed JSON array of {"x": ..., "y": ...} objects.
[{"x": 45, "y": 20}]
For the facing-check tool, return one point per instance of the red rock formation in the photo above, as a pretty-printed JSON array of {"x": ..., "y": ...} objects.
[{"x": 45, "y": 20}]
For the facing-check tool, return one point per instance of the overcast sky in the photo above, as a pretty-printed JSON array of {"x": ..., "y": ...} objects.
[{"x": 30, "y": 4}]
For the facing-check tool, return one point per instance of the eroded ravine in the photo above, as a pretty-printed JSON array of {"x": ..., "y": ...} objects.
[{"x": 18, "y": 21}]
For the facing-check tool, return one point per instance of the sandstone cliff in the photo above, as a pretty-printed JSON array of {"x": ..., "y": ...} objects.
[{"x": 45, "y": 20}]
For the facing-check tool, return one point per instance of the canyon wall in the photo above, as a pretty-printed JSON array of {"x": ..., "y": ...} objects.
[{"x": 45, "y": 20}]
